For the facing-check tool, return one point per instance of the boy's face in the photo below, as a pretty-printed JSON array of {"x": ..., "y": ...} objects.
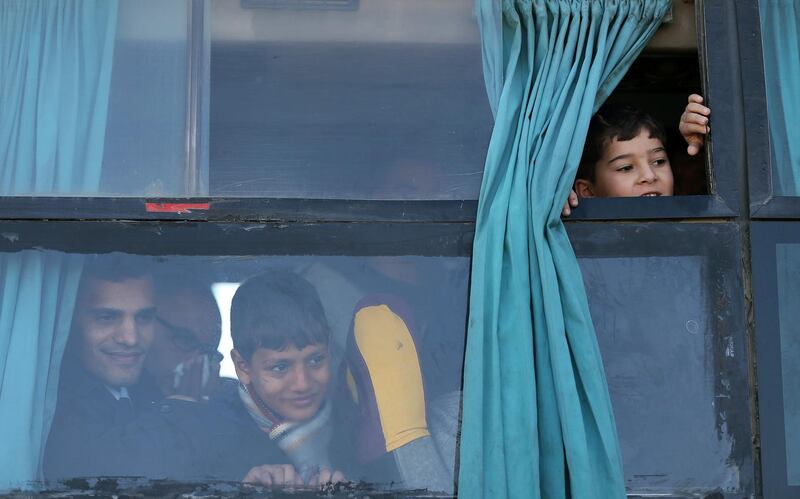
[
  {"x": 630, "y": 168},
  {"x": 291, "y": 382}
]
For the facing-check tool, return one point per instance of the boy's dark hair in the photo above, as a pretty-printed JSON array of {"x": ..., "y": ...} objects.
[
  {"x": 274, "y": 310},
  {"x": 615, "y": 122}
]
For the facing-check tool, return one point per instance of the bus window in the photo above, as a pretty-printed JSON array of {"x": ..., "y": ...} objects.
[
  {"x": 666, "y": 304},
  {"x": 788, "y": 274},
  {"x": 655, "y": 335},
  {"x": 776, "y": 269},
  {"x": 112, "y": 88},
  {"x": 348, "y": 100},
  {"x": 292, "y": 370},
  {"x": 232, "y": 98},
  {"x": 641, "y": 116}
]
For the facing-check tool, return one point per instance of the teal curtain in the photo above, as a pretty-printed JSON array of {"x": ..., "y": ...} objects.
[
  {"x": 537, "y": 419},
  {"x": 36, "y": 302},
  {"x": 780, "y": 35},
  {"x": 56, "y": 59},
  {"x": 55, "y": 67}
]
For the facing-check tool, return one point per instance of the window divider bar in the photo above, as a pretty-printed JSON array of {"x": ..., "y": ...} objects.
[{"x": 194, "y": 73}]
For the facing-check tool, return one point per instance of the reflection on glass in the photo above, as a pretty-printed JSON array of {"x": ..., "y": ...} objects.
[
  {"x": 383, "y": 99},
  {"x": 652, "y": 318},
  {"x": 788, "y": 269},
  {"x": 276, "y": 370}
]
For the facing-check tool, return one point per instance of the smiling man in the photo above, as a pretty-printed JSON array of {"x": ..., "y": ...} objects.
[{"x": 101, "y": 385}]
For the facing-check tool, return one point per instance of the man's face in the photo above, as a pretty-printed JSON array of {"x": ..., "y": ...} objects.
[
  {"x": 291, "y": 382},
  {"x": 631, "y": 168},
  {"x": 188, "y": 325},
  {"x": 115, "y": 323}
]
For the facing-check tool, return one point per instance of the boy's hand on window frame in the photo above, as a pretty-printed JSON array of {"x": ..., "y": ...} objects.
[
  {"x": 326, "y": 477},
  {"x": 572, "y": 202},
  {"x": 694, "y": 124},
  {"x": 273, "y": 475}
]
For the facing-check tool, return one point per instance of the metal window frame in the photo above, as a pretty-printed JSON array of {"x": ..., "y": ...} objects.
[
  {"x": 155, "y": 237},
  {"x": 237, "y": 209}
]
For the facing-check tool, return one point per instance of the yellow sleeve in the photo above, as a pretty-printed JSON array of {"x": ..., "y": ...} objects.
[{"x": 388, "y": 350}]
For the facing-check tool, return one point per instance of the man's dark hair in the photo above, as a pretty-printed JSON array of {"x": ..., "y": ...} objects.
[
  {"x": 115, "y": 267},
  {"x": 615, "y": 122},
  {"x": 274, "y": 310}
]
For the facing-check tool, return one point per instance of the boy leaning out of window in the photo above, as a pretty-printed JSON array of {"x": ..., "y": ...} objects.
[{"x": 625, "y": 153}]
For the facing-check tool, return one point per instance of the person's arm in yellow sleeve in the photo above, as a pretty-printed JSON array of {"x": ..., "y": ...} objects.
[{"x": 386, "y": 370}]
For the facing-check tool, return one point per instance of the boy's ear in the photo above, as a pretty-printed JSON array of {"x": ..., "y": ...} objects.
[
  {"x": 242, "y": 367},
  {"x": 584, "y": 188}
]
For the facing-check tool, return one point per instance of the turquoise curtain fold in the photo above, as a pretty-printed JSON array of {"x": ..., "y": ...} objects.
[
  {"x": 36, "y": 304},
  {"x": 780, "y": 36},
  {"x": 537, "y": 418},
  {"x": 56, "y": 60}
]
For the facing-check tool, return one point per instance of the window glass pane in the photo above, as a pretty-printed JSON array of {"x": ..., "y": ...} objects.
[
  {"x": 368, "y": 99},
  {"x": 780, "y": 29},
  {"x": 788, "y": 272},
  {"x": 351, "y": 364},
  {"x": 145, "y": 149},
  {"x": 654, "y": 318},
  {"x": 99, "y": 93}
]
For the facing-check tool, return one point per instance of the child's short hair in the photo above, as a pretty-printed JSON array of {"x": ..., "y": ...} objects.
[
  {"x": 274, "y": 310},
  {"x": 615, "y": 122}
]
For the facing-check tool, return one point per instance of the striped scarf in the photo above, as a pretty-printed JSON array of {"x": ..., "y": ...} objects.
[{"x": 306, "y": 443}]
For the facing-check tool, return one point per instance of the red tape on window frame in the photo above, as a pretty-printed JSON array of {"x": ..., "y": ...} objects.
[{"x": 175, "y": 207}]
